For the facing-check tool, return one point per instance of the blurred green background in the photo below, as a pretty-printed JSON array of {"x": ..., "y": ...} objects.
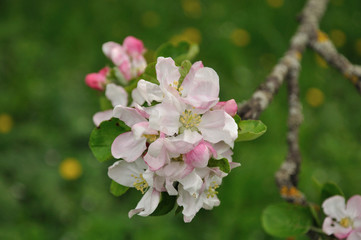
[{"x": 51, "y": 187}]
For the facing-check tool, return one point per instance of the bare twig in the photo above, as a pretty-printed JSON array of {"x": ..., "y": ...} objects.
[
  {"x": 287, "y": 175},
  {"x": 321, "y": 44},
  {"x": 309, "y": 20}
]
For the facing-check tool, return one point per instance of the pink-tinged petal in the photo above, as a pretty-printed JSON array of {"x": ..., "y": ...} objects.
[
  {"x": 187, "y": 82},
  {"x": 108, "y": 48},
  {"x": 184, "y": 142},
  {"x": 354, "y": 236},
  {"x": 137, "y": 97},
  {"x": 133, "y": 45},
  {"x": 229, "y": 107},
  {"x": 141, "y": 111},
  {"x": 353, "y": 207},
  {"x": 203, "y": 89},
  {"x": 328, "y": 226},
  {"x": 125, "y": 68},
  {"x": 139, "y": 64},
  {"x": 127, "y": 147},
  {"x": 335, "y": 207},
  {"x": 192, "y": 183},
  {"x": 99, "y": 117},
  {"x": 104, "y": 71},
  {"x": 173, "y": 171},
  {"x": 147, "y": 204},
  {"x": 170, "y": 188},
  {"x": 234, "y": 164},
  {"x": 128, "y": 115},
  {"x": 165, "y": 118},
  {"x": 357, "y": 224},
  {"x": 199, "y": 156},
  {"x": 116, "y": 94},
  {"x": 123, "y": 172},
  {"x": 341, "y": 232},
  {"x": 149, "y": 91},
  {"x": 157, "y": 155},
  {"x": 223, "y": 151},
  {"x": 167, "y": 72},
  {"x": 119, "y": 56},
  {"x": 218, "y": 126},
  {"x": 95, "y": 81},
  {"x": 141, "y": 128}
]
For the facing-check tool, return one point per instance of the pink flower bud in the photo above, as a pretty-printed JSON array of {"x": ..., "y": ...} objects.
[
  {"x": 229, "y": 107},
  {"x": 97, "y": 80},
  {"x": 200, "y": 155},
  {"x": 133, "y": 46}
]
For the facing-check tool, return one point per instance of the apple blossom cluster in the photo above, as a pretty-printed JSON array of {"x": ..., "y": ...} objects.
[
  {"x": 343, "y": 220},
  {"x": 180, "y": 135}
]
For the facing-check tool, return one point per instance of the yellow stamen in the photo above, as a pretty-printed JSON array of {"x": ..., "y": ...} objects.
[
  {"x": 190, "y": 120},
  {"x": 345, "y": 222},
  {"x": 150, "y": 138},
  {"x": 140, "y": 183},
  {"x": 211, "y": 191}
]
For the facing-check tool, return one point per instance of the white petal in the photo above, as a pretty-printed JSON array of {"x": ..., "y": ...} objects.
[
  {"x": 137, "y": 97},
  {"x": 184, "y": 142},
  {"x": 165, "y": 118},
  {"x": 116, "y": 94},
  {"x": 99, "y": 117},
  {"x": 147, "y": 204},
  {"x": 127, "y": 147},
  {"x": 354, "y": 236},
  {"x": 122, "y": 171},
  {"x": 204, "y": 89},
  {"x": 128, "y": 115},
  {"x": 149, "y": 91},
  {"x": 108, "y": 47},
  {"x": 167, "y": 72},
  {"x": 192, "y": 183},
  {"x": 190, "y": 204},
  {"x": 335, "y": 207},
  {"x": 187, "y": 82},
  {"x": 218, "y": 126},
  {"x": 353, "y": 207}
]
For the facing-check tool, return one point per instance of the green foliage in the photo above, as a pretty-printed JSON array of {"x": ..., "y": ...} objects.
[
  {"x": 150, "y": 74},
  {"x": 330, "y": 189},
  {"x": 105, "y": 103},
  {"x": 286, "y": 220},
  {"x": 223, "y": 164},
  {"x": 184, "y": 69},
  {"x": 180, "y": 52},
  {"x": 166, "y": 204},
  {"x": 102, "y": 137},
  {"x": 114, "y": 75},
  {"x": 250, "y": 130},
  {"x": 117, "y": 190}
]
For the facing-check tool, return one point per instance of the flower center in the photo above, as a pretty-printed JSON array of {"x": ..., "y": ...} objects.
[
  {"x": 345, "y": 222},
  {"x": 211, "y": 191},
  {"x": 140, "y": 183},
  {"x": 190, "y": 120},
  {"x": 150, "y": 138},
  {"x": 176, "y": 86},
  {"x": 178, "y": 159}
]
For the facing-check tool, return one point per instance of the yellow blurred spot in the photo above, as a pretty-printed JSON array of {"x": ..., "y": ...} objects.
[
  {"x": 338, "y": 37},
  {"x": 321, "y": 36},
  {"x": 191, "y": 35},
  {"x": 150, "y": 19},
  {"x": 240, "y": 37},
  {"x": 192, "y": 8},
  {"x": 6, "y": 123},
  {"x": 358, "y": 46},
  {"x": 320, "y": 61},
  {"x": 315, "y": 97},
  {"x": 298, "y": 55},
  {"x": 275, "y": 3},
  {"x": 70, "y": 169}
]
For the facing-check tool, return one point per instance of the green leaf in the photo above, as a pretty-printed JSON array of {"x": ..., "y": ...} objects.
[
  {"x": 180, "y": 52},
  {"x": 105, "y": 104},
  {"x": 150, "y": 74},
  {"x": 330, "y": 189},
  {"x": 237, "y": 119},
  {"x": 102, "y": 137},
  {"x": 184, "y": 70},
  {"x": 250, "y": 130},
  {"x": 286, "y": 220},
  {"x": 315, "y": 211},
  {"x": 223, "y": 164},
  {"x": 178, "y": 210},
  {"x": 166, "y": 204},
  {"x": 116, "y": 189}
]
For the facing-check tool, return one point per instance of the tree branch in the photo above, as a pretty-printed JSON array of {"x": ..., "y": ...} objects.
[
  {"x": 261, "y": 98},
  {"x": 321, "y": 44}
]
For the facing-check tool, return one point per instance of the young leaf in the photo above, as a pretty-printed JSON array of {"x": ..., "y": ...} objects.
[
  {"x": 330, "y": 189},
  {"x": 286, "y": 220},
  {"x": 223, "y": 164},
  {"x": 102, "y": 137},
  {"x": 105, "y": 104},
  {"x": 184, "y": 69},
  {"x": 237, "y": 119},
  {"x": 180, "y": 52},
  {"x": 250, "y": 130},
  {"x": 116, "y": 189},
  {"x": 166, "y": 204}
]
